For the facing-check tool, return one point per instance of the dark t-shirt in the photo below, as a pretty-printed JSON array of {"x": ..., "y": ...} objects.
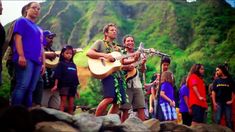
[
  {"x": 66, "y": 73},
  {"x": 223, "y": 89},
  {"x": 2, "y": 35}
]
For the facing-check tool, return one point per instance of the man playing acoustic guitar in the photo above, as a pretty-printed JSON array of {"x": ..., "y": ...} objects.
[
  {"x": 134, "y": 85},
  {"x": 114, "y": 85},
  {"x": 49, "y": 99}
]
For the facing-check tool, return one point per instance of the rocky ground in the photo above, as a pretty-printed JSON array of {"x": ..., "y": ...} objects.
[{"x": 19, "y": 119}]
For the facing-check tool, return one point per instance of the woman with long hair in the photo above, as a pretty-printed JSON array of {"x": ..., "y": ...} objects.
[{"x": 197, "y": 93}]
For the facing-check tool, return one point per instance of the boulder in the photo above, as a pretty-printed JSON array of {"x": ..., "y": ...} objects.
[
  {"x": 135, "y": 124},
  {"x": 57, "y": 126},
  {"x": 153, "y": 124},
  {"x": 87, "y": 122}
]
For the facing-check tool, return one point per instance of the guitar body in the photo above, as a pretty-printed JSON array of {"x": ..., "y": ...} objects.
[
  {"x": 131, "y": 74},
  {"x": 52, "y": 63},
  {"x": 101, "y": 68}
]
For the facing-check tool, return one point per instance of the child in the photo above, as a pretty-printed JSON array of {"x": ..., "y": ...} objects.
[
  {"x": 66, "y": 79},
  {"x": 166, "y": 101},
  {"x": 184, "y": 106}
]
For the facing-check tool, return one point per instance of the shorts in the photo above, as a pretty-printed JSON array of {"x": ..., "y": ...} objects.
[
  {"x": 198, "y": 113},
  {"x": 68, "y": 91},
  {"x": 168, "y": 111},
  {"x": 136, "y": 99},
  {"x": 109, "y": 89}
]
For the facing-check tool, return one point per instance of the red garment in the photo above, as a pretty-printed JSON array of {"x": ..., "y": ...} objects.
[{"x": 193, "y": 99}]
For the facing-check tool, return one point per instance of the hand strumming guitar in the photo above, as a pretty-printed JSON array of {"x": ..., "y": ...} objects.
[
  {"x": 50, "y": 55},
  {"x": 128, "y": 67},
  {"x": 109, "y": 57}
]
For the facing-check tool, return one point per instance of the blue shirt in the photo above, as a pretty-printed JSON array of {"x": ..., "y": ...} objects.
[
  {"x": 31, "y": 40},
  {"x": 184, "y": 91},
  {"x": 169, "y": 92}
]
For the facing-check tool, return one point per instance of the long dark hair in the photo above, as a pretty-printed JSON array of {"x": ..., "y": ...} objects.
[
  {"x": 194, "y": 70},
  {"x": 224, "y": 69},
  {"x": 67, "y": 47}
]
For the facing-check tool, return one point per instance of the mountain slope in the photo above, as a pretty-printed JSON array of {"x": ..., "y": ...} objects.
[{"x": 197, "y": 32}]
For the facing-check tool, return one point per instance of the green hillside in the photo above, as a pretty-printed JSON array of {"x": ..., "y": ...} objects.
[{"x": 197, "y": 32}]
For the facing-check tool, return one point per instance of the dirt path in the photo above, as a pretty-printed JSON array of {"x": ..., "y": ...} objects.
[{"x": 84, "y": 75}]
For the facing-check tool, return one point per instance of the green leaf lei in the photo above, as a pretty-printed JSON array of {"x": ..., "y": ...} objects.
[{"x": 117, "y": 75}]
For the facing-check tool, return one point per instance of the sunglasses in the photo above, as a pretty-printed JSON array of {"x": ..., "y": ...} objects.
[{"x": 50, "y": 37}]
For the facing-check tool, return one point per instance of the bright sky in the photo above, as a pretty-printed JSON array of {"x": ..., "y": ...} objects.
[{"x": 12, "y": 9}]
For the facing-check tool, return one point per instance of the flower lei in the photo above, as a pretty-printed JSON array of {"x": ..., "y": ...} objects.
[{"x": 117, "y": 75}]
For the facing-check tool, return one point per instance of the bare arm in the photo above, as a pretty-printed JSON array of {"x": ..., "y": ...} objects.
[
  {"x": 19, "y": 48},
  {"x": 95, "y": 55},
  {"x": 163, "y": 95},
  {"x": 50, "y": 55},
  {"x": 213, "y": 100},
  {"x": 151, "y": 103},
  {"x": 55, "y": 85},
  {"x": 134, "y": 58},
  {"x": 197, "y": 93}
]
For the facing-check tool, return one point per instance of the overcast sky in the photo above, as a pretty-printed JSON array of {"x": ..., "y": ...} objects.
[{"x": 12, "y": 9}]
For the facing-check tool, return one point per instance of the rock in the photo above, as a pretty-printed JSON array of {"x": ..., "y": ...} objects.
[
  {"x": 111, "y": 119},
  {"x": 57, "y": 126},
  {"x": 49, "y": 114},
  {"x": 167, "y": 125},
  {"x": 58, "y": 114},
  {"x": 174, "y": 127},
  {"x": 182, "y": 128},
  {"x": 153, "y": 124},
  {"x": 210, "y": 128},
  {"x": 135, "y": 124},
  {"x": 16, "y": 119},
  {"x": 87, "y": 122}
]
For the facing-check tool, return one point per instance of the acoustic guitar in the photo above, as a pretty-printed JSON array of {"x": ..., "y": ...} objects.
[
  {"x": 52, "y": 63},
  {"x": 101, "y": 67},
  {"x": 132, "y": 73}
]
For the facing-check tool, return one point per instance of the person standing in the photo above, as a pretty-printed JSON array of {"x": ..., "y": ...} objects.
[
  {"x": 114, "y": 85},
  {"x": 197, "y": 93},
  {"x": 134, "y": 86},
  {"x": 2, "y": 40},
  {"x": 223, "y": 91},
  {"x": 183, "y": 104},
  {"x": 167, "y": 101},
  {"x": 66, "y": 79},
  {"x": 49, "y": 99},
  {"x": 27, "y": 55},
  {"x": 7, "y": 50},
  {"x": 165, "y": 63}
]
